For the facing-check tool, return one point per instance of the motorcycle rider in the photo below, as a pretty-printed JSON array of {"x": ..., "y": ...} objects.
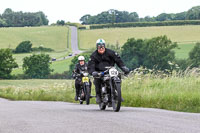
[
  {"x": 80, "y": 66},
  {"x": 101, "y": 58}
]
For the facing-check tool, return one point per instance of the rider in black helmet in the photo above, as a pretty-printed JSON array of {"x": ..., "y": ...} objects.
[{"x": 101, "y": 58}]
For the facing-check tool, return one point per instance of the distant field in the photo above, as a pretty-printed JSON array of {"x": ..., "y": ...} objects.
[
  {"x": 183, "y": 51},
  {"x": 184, "y": 35},
  {"x": 55, "y": 37}
]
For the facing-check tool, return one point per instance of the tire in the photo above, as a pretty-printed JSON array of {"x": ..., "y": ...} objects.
[
  {"x": 102, "y": 106},
  {"x": 81, "y": 102},
  {"x": 116, "y": 101},
  {"x": 88, "y": 94}
]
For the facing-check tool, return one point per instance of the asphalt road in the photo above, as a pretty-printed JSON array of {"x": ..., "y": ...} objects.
[
  {"x": 63, "y": 117},
  {"x": 74, "y": 40},
  {"x": 74, "y": 44}
]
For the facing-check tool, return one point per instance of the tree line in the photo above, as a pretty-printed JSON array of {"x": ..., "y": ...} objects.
[
  {"x": 10, "y": 18},
  {"x": 115, "y": 16}
]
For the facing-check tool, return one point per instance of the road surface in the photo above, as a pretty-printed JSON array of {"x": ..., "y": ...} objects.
[
  {"x": 63, "y": 117},
  {"x": 74, "y": 44}
]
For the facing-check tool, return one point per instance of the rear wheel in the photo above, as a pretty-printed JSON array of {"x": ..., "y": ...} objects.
[
  {"x": 116, "y": 98},
  {"x": 88, "y": 94}
]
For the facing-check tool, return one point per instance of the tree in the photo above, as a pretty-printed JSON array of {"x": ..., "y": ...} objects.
[
  {"x": 158, "y": 52},
  {"x": 60, "y": 22},
  {"x": 132, "y": 53},
  {"x": 193, "y": 13},
  {"x": 151, "y": 53},
  {"x": 20, "y": 19},
  {"x": 24, "y": 47},
  {"x": 7, "y": 63},
  {"x": 37, "y": 66},
  {"x": 85, "y": 19},
  {"x": 194, "y": 56}
]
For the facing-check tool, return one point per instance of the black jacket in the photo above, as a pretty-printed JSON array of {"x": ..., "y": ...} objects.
[
  {"x": 98, "y": 62},
  {"x": 78, "y": 69}
]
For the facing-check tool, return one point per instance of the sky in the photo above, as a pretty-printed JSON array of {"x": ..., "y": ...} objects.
[{"x": 73, "y": 10}]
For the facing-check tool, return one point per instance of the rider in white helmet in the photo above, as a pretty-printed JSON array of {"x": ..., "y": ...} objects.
[{"x": 80, "y": 66}]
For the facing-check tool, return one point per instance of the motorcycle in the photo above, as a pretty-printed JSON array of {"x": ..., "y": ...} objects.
[
  {"x": 85, "y": 90},
  {"x": 110, "y": 89}
]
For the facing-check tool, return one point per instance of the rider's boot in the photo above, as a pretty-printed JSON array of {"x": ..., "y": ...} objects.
[
  {"x": 76, "y": 98},
  {"x": 77, "y": 94},
  {"x": 98, "y": 99}
]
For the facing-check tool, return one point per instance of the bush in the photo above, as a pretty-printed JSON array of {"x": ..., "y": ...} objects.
[
  {"x": 40, "y": 48},
  {"x": 64, "y": 75},
  {"x": 24, "y": 47},
  {"x": 7, "y": 63},
  {"x": 146, "y": 24},
  {"x": 37, "y": 66},
  {"x": 194, "y": 56}
]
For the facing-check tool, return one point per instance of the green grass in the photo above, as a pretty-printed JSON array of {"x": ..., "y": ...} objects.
[
  {"x": 182, "y": 52},
  {"x": 184, "y": 35},
  {"x": 57, "y": 55},
  {"x": 171, "y": 93},
  {"x": 54, "y": 37},
  {"x": 61, "y": 66}
]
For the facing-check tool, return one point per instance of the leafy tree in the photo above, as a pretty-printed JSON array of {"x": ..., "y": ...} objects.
[
  {"x": 24, "y": 47},
  {"x": 152, "y": 53},
  {"x": 60, "y": 22},
  {"x": 20, "y": 19},
  {"x": 7, "y": 63},
  {"x": 158, "y": 52},
  {"x": 37, "y": 66},
  {"x": 194, "y": 56},
  {"x": 85, "y": 19},
  {"x": 132, "y": 53},
  {"x": 193, "y": 13},
  {"x": 3, "y": 23}
]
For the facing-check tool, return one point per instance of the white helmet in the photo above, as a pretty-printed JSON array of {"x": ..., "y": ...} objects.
[
  {"x": 100, "y": 42},
  {"x": 81, "y": 58}
]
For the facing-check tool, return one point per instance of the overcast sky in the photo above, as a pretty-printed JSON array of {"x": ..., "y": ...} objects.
[{"x": 73, "y": 10}]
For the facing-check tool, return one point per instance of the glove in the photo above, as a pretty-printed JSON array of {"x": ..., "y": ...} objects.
[
  {"x": 94, "y": 74},
  {"x": 125, "y": 69},
  {"x": 102, "y": 73},
  {"x": 74, "y": 76}
]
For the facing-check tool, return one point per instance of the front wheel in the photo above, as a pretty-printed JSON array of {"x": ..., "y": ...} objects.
[
  {"x": 102, "y": 106},
  {"x": 88, "y": 90},
  {"x": 116, "y": 98}
]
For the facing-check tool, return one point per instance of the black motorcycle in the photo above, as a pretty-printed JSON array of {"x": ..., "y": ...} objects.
[
  {"x": 85, "y": 90},
  {"x": 110, "y": 89}
]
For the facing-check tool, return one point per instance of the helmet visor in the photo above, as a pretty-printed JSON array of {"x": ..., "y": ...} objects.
[{"x": 99, "y": 46}]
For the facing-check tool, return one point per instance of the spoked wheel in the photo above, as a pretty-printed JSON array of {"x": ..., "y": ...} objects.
[
  {"x": 102, "y": 106},
  {"x": 88, "y": 90},
  {"x": 116, "y": 99}
]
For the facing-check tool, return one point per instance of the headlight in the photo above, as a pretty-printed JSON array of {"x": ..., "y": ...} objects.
[{"x": 85, "y": 74}]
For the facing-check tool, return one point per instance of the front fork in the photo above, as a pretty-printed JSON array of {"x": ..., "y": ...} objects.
[{"x": 114, "y": 80}]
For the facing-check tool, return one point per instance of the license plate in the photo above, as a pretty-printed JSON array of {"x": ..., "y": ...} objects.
[{"x": 85, "y": 79}]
